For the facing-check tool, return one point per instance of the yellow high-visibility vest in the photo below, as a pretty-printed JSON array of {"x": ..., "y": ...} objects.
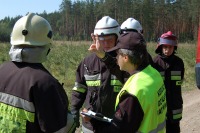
[{"x": 147, "y": 85}]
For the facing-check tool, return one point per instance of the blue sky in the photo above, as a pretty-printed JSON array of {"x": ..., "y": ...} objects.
[{"x": 13, "y": 8}]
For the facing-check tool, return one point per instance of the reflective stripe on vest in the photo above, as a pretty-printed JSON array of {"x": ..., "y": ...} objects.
[
  {"x": 93, "y": 83},
  {"x": 177, "y": 114},
  {"x": 93, "y": 80},
  {"x": 117, "y": 88},
  {"x": 116, "y": 83},
  {"x": 160, "y": 127},
  {"x": 153, "y": 102},
  {"x": 175, "y": 75},
  {"x": 179, "y": 83},
  {"x": 79, "y": 87},
  {"x": 15, "y": 112},
  {"x": 92, "y": 77},
  {"x": 17, "y": 102},
  {"x": 82, "y": 90}
]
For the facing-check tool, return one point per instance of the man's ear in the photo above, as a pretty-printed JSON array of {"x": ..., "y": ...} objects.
[{"x": 126, "y": 58}]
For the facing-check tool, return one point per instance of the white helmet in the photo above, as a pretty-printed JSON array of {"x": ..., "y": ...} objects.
[
  {"x": 131, "y": 24},
  {"x": 107, "y": 26},
  {"x": 31, "y": 30}
]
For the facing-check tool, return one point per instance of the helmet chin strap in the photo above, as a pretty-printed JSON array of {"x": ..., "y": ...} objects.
[{"x": 29, "y": 54}]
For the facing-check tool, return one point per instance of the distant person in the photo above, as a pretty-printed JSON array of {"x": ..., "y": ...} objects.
[
  {"x": 141, "y": 104},
  {"x": 133, "y": 25},
  {"x": 31, "y": 99},
  {"x": 96, "y": 87},
  {"x": 171, "y": 67}
]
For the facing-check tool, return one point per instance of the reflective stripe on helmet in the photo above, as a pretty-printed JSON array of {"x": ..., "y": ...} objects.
[
  {"x": 107, "y": 26},
  {"x": 167, "y": 41},
  {"x": 131, "y": 24}
]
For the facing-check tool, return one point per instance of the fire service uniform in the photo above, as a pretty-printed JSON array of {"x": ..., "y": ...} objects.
[
  {"x": 96, "y": 87},
  {"x": 25, "y": 100},
  {"x": 172, "y": 70}
]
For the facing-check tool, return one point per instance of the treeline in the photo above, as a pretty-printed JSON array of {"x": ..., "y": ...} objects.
[{"x": 76, "y": 20}]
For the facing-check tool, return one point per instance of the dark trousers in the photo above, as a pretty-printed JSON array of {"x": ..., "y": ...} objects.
[{"x": 172, "y": 127}]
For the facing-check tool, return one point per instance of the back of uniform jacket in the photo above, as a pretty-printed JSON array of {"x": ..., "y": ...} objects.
[{"x": 31, "y": 99}]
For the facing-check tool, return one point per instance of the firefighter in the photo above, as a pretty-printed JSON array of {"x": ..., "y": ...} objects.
[
  {"x": 96, "y": 87},
  {"x": 141, "y": 104},
  {"x": 133, "y": 25},
  {"x": 171, "y": 67},
  {"x": 31, "y": 99}
]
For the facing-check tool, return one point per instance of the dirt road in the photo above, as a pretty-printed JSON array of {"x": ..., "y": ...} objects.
[{"x": 191, "y": 112}]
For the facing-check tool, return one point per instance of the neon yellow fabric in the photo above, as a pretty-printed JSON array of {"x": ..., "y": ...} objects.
[
  {"x": 82, "y": 90},
  {"x": 116, "y": 82},
  {"x": 13, "y": 120},
  {"x": 117, "y": 88},
  {"x": 149, "y": 88},
  {"x": 93, "y": 83},
  {"x": 178, "y": 83},
  {"x": 175, "y": 77},
  {"x": 177, "y": 116}
]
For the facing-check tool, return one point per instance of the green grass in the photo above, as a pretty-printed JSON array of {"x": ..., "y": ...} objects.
[
  {"x": 4, "y": 49},
  {"x": 65, "y": 57}
]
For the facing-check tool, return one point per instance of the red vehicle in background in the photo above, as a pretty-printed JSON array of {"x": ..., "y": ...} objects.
[{"x": 197, "y": 68}]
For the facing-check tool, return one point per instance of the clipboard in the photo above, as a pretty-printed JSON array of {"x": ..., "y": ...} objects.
[{"x": 96, "y": 116}]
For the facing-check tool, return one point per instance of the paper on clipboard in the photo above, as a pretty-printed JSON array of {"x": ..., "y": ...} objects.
[{"x": 92, "y": 114}]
